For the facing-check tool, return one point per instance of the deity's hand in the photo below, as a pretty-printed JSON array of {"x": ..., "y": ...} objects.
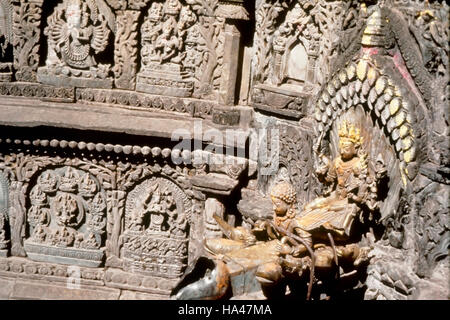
[
  {"x": 323, "y": 166},
  {"x": 250, "y": 240},
  {"x": 260, "y": 225},
  {"x": 282, "y": 248}
]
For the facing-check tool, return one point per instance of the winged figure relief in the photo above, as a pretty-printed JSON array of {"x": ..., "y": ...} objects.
[{"x": 72, "y": 35}]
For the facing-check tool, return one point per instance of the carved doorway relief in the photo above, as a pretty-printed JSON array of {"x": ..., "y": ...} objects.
[{"x": 296, "y": 64}]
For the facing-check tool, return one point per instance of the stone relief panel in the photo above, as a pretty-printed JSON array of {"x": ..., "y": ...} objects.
[
  {"x": 185, "y": 60},
  {"x": 143, "y": 220},
  {"x": 67, "y": 218},
  {"x": 163, "y": 35},
  {"x": 156, "y": 232},
  {"x": 297, "y": 45},
  {"x": 77, "y": 31}
]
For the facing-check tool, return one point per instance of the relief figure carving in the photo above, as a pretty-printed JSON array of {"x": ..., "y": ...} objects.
[
  {"x": 77, "y": 31},
  {"x": 155, "y": 233},
  {"x": 67, "y": 218},
  {"x": 163, "y": 36}
]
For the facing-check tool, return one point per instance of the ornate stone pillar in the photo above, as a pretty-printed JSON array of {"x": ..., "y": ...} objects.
[
  {"x": 232, "y": 45},
  {"x": 17, "y": 217},
  {"x": 26, "y": 36},
  {"x": 4, "y": 241},
  {"x": 126, "y": 51},
  {"x": 213, "y": 207},
  {"x": 116, "y": 206},
  {"x": 232, "y": 10}
]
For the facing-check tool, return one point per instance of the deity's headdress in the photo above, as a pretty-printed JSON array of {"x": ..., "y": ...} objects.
[
  {"x": 284, "y": 191},
  {"x": 348, "y": 131}
]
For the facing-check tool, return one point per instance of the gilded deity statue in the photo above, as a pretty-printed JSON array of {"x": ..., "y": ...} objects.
[
  {"x": 321, "y": 235},
  {"x": 351, "y": 188}
]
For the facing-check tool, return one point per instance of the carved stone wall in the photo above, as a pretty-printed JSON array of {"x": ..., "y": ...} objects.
[
  {"x": 126, "y": 212},
  {"x": 368, "y": 68}
]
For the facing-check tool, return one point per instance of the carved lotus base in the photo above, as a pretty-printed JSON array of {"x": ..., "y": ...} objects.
[
  {"x": 72, "y": 256},
  {"x": 154, "y": 255},
  {"x": 168, "y": 82},
  {"x": 47, "y": 76}
]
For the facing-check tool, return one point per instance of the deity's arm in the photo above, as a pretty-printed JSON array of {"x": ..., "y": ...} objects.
[
  {"x": 263, "y": 225},
  {"x": 100, "y": 35},
  {"x": 326, "y": 173},
  {"x": 57, "y": 31},
  {"x": 323, "y": 168}
]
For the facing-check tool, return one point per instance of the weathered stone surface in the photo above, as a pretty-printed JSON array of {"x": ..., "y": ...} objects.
[
  {"x": 132, "y": 295},
  {"x": 48, "y": 291},
  {"x": 215, "y": 183},
  {"x": 6, "y": 288},
  {"x": 102, "y": 87}
]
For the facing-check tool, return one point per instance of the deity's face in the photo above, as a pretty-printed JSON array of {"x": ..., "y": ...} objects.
[
  {"x": 73, "y": 14},
  {"x": 347, "y": 149},
  {"x": 279, "y": 206},
  {"x": 156, "y": 10}
]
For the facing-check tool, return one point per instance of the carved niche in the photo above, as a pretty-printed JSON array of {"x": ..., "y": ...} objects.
[
  {"x": 164, "y": 67},
  {"x": 156, "y": 229},
  {"x": 77, "y": 31},
  {"x": 295, "y": 48},
  {"x": 66, "y": 218},
  {"x": 6, "y": 12},
  {"x": 288, "y": 51}
]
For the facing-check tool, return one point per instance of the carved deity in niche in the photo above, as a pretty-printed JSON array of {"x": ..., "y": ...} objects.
[
  {"x": 66, "y": 217},
  {"x": 163, "y": 53},
  {"x": 156, "y": 231},
  {"x": 351, "y": 187},
  {"x": 77, "y": 31},
  {"x": 6, "y": 11}
]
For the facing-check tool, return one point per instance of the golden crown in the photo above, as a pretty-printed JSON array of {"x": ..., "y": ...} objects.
[{"x": 350, "y": 132}]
